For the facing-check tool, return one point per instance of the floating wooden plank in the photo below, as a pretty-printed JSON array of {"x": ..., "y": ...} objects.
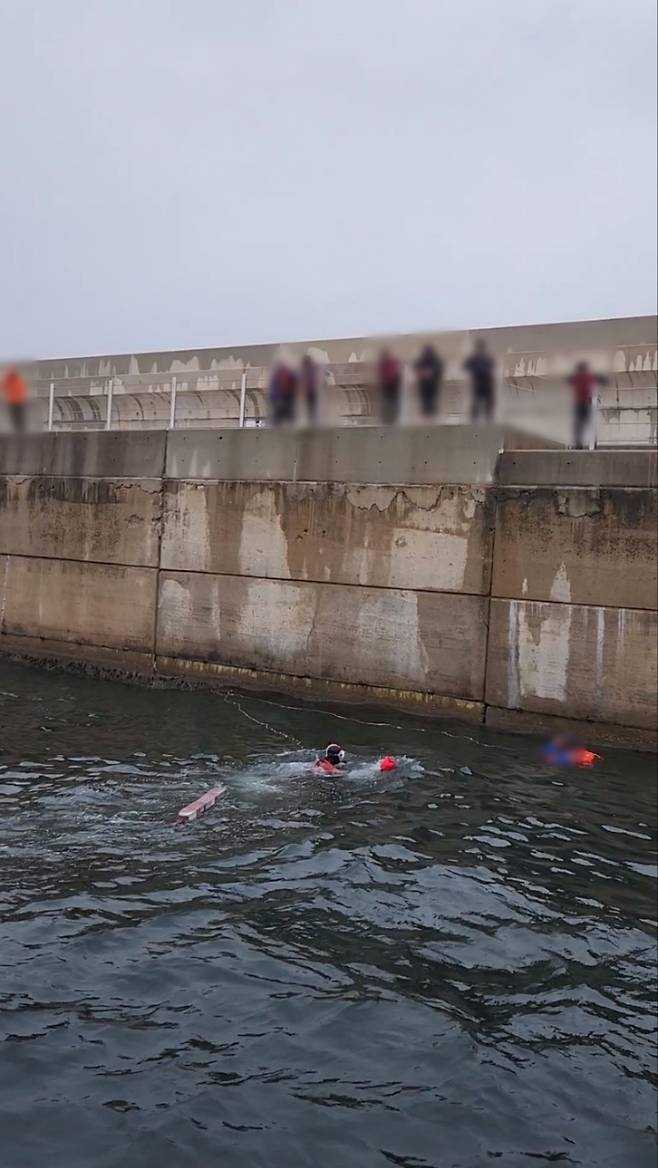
[{"x": 201, "y": 805}]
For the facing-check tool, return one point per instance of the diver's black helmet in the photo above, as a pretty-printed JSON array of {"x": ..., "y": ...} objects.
[{"x": 334, "y": 754}]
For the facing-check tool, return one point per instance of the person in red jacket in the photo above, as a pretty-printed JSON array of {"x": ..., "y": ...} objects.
[
  {"x": 584, "y": 384},
  {"x": 332, "y": 762},
  {"x": 283, "y": 394},
  {"x": 389, "y": 385}
]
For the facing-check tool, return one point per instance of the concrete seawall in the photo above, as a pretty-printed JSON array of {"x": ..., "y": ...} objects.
[{"x": 419, "y": 568}]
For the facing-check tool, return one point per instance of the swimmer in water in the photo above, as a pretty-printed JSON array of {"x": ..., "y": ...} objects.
[
  {"x": 332, "y": 762},
  {"x": 565, "y": 750}
]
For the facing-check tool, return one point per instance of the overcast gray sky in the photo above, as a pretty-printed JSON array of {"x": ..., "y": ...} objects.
[{"x": 198, "y": 172}]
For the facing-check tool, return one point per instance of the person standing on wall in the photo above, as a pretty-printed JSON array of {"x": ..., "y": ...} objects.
[
  {"x": 309, "y": 384},
  {"x": 14, "y": 389},
  {"x": 283, "y": 395},
  {"x": 429, "y": 375},
  {"x": 482, "y": 369},
  {"x": 583, "y": 384},
  {"x": 389, "y": 384}
]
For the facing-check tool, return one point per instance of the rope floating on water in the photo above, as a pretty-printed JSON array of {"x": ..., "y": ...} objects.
[
  {"x": 229, "y": 697},
  {"x": 360, "y": 722}
]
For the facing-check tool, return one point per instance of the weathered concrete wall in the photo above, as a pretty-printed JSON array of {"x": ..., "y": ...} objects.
[
  {"x": 577, "y": 546},
  {"x": 100, "y": 520},
  {"x": 592, "y": 663},
  {"x": 492, "y": 599},
  {"x": 400, "y": 640},
  {"x": 572, "y": 628},
  {"x": 419, "y": 537},
  {"x": 64, "y": 600}
]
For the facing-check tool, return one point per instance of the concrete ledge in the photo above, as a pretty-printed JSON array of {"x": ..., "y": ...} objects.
[
  {"x": 121, "y": 664},
  {"x": 592, "y": 734},
  {"x": 579, "y": 468},
  {"x": 117, "y": 454},
  {"x": 312, "y": 688}
]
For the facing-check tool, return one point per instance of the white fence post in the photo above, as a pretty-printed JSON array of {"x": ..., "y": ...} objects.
[
  {"x": 51, "y": 404},
  {"x": 172, "y": 404},
  {"x": 243, "y": 398},
  {"x": 108, "y": 419}
]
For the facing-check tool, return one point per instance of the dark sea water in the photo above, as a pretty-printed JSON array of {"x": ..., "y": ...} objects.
[{"x": 447, "y": 967}]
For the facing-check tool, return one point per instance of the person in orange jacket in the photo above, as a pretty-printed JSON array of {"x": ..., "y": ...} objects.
[{"x": 15, "y": 392}]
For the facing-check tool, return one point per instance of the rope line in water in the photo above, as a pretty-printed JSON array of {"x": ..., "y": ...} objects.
[
  {"x": 360, "y": 722},
  {"x": 228, "y": 696}
]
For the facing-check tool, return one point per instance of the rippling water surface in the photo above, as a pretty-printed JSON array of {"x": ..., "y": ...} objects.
[{"x": 450, "y": 966}]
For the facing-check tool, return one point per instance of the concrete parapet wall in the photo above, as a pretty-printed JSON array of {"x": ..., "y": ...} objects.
[
  {"x": 527, "y": 352},
  {"x": 120, "y": 455},
  {"x": 309, "y": 563},
  {"x": 578, "y": 468},
  {"x": 458, "y": 454}
]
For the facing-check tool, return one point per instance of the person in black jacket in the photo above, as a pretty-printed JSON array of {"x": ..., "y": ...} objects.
[
  {"x": 482, "y": 369},
  {"x": 429, "y": 375}
]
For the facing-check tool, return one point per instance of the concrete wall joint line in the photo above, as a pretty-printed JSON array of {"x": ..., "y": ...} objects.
[
  {"x": 492, "y": 560},
  {"x": 77, "y": 560},
  {"x": 161, "y": 520},
  {"x": 325, "y": 583},
  {"x": 573, "y": 603}
]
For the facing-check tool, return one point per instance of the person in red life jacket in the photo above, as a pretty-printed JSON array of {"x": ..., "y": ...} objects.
[
  {"x": 566, "y": 751},
  {"x": 332, "y": 762},
  {"x": 584, "y": 384},
  {"x": 14, "y": 389},
  {"x": 309, "y": 384},
  {"x": 283, "y": 394},
  {"x": 389, "y": 384}
]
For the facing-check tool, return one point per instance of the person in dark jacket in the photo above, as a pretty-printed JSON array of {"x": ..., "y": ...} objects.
[
  {"x": 429, "y": 375},
  {"x": 309, "y": 384},
  {"x": 482, "y": 369}
]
